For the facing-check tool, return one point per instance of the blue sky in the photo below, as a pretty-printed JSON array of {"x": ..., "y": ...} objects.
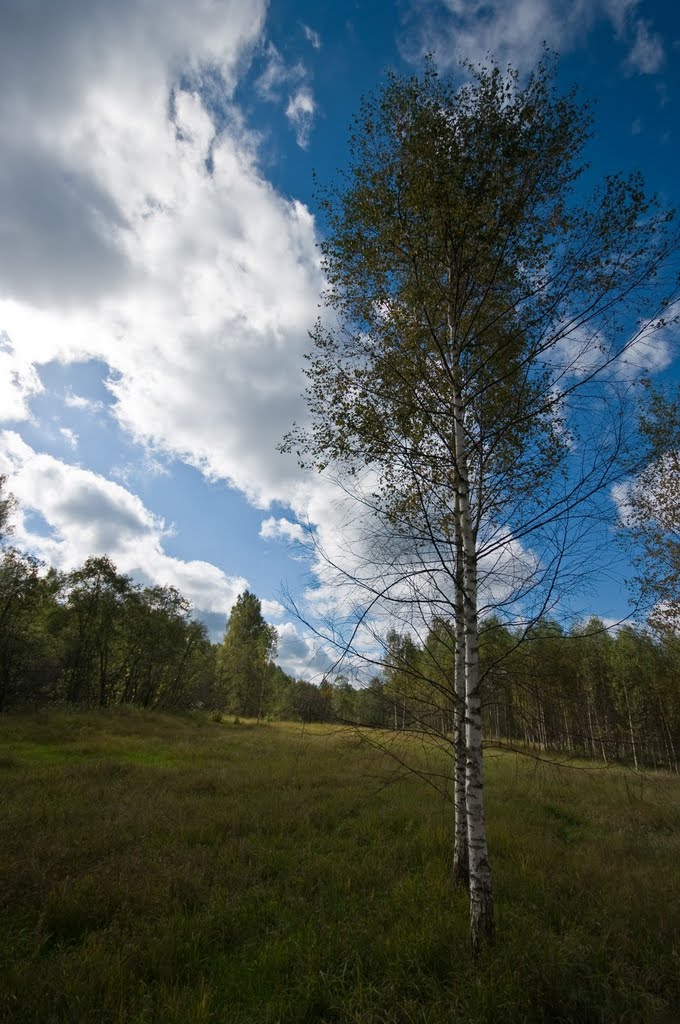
[{"x": 158, "y": 269}]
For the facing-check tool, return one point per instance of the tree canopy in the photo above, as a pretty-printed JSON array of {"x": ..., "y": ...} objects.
[
  {"x": 652, "y": 512},
  {"x": 249, "y": 645}
]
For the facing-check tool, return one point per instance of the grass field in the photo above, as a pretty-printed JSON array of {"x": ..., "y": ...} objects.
[{"x": 169, "y": 869}]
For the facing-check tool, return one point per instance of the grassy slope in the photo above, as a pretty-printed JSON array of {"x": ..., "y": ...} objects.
[{"x": 174, "y": 870}]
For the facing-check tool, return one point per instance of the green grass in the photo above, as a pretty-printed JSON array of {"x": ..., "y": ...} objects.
[{"x": 157, "y": 868}]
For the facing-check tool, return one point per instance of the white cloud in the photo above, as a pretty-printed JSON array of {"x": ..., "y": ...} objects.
[
  {"x": 651, "y": 352},
  {"x": 72, "y": 401},
  {"x": 300, "y": 112},
  {"x": 301, "y": 655},
  {"x": 272, "y": 609},
  {"x": 204, "y": 333},
  {"x": 90, "y": 515},
  {"x": 166, "y": 255},
  {"x": 516, "y": 31},
  {"x": 620, "y": 12},
  {"x": 69, "y": 436},
  {"x": 583, "y": 350},
  {"x": 621, "y": 496},
  {"x": 283, "y": 529},
  {"x": 512, "y": 30},
  {"x": 19, "y": 382},
  {"x": 273, "y": 83},
  {"x": 647, "y": 55},
  {"x": 79, "y": 82},
  {"x": 311, "y": 36},
  {"x": 142, "y": 469},
  {"x": 277, "y": 74}
]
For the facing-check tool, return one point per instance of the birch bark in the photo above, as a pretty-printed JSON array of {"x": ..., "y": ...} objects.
[
  {"x": 481, "y": 896},
  {"x": 461, "y": 870}
]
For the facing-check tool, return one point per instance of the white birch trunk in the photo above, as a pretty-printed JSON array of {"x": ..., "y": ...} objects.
[
  {"x": 590, "y": 727},
  {"x": 630, "y": 726},
  {"x": 481, "y": 897},
  {"x": 461, "y": 872},
  {"x": 599, "y": 729}
]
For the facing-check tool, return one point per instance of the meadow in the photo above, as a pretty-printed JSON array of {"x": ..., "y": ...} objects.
[{"x": 179, "y": 870}]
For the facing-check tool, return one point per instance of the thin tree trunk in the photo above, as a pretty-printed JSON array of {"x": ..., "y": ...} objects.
[
  {"x": 567, "y": 734},
  {"x": 672, "y": 745},
  {"x": 481, "y": 897},
  {"x": 630, "y": 725},
  {"x": 261, "y": 702},
  {"x": 461, "y": 869},
  {"x": 590, "y": 728},
  {"x": 667, "y": 737},
  {"x": 599, "y": 729}
]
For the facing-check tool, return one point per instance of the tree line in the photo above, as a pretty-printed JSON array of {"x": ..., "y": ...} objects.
[
  {"x": 583, "y": 691},
  {"x": 93, "y": 637}
]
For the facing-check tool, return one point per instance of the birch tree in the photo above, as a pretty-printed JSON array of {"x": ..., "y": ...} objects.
[
  {"x": 652, "y": 512},
  {"x": 8, "y": 506},
  {"x": 471, "y": 296}
]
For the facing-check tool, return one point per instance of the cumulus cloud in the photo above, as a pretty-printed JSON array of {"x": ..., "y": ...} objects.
[
  {"x": 203, "y": 333},
  {"x": 19, "y": 382},
  {"x": 272, "y": 609},
  {"x": 283, "y": 529},
  {"x": 152, "y": 242},
  {"x": 73, "y": 401},
  {"x": 90, "y": 515},
  {"x": 60, "y": 231},
  {"x": 301, "y": 655},
  {"x": 77, "y": 82}
]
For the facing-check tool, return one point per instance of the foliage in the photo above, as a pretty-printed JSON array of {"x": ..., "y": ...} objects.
[
  {"x": 249, "y": 645},
  {"x": 652, "y": 513},
  {"x": 93, "y": 637},
  {"x": 8, "y": 505},
  {"x": 30, "y": 650}
]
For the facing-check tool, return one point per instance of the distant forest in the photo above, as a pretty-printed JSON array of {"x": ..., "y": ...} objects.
[{"x": 93, "y": 637}]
